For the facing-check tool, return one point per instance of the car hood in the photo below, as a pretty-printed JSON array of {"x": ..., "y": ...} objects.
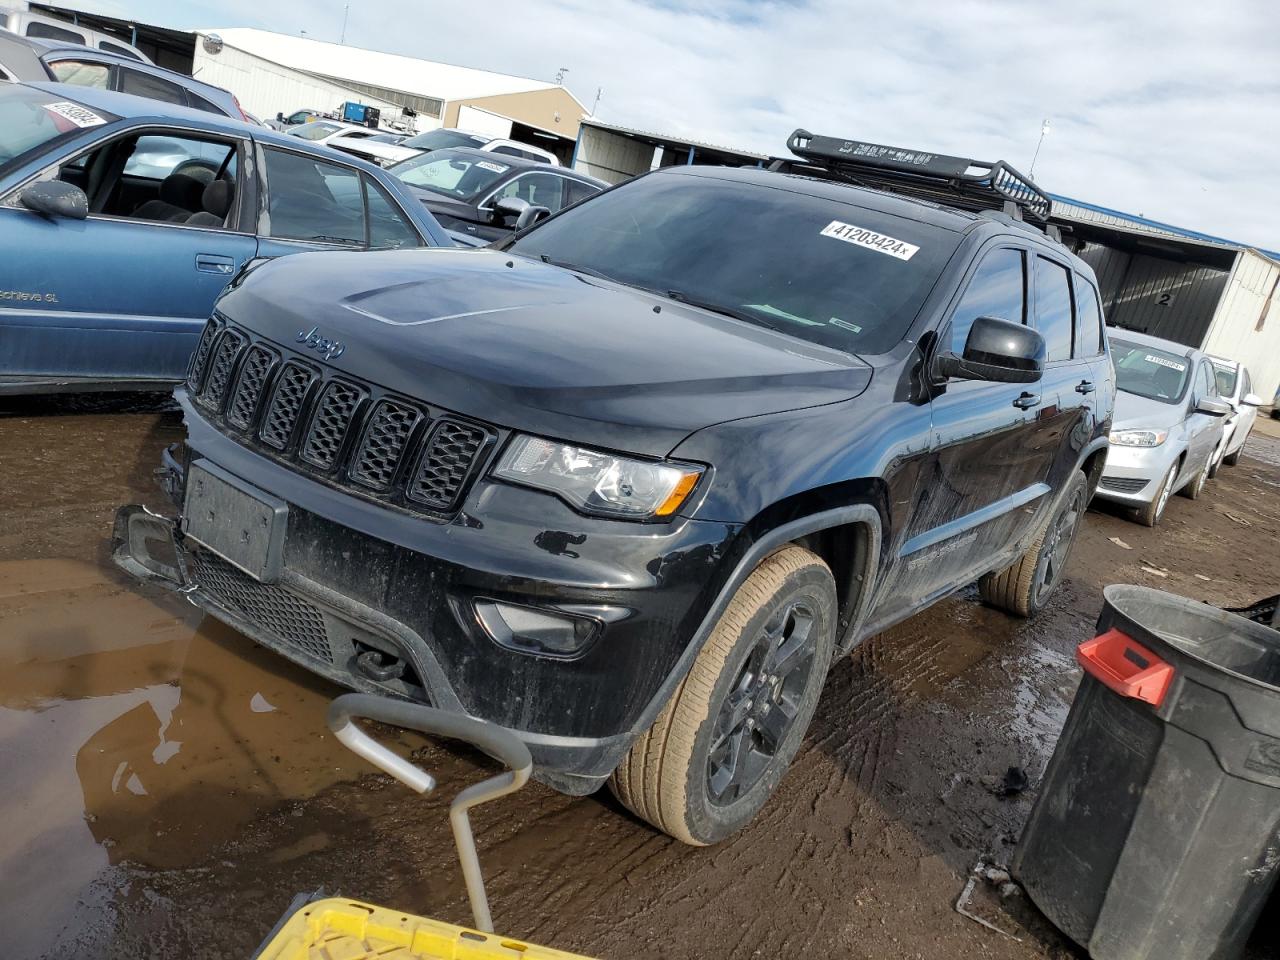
[
  {"x": 1136, "y": 413},
  {"x": 534, "y": 347}
]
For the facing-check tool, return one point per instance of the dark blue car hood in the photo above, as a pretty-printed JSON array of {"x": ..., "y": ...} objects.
[{"x": 537, "y": 348}]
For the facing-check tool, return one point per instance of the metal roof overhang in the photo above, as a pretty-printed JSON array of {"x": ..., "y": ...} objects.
[{"x": 1164, "y": 246}]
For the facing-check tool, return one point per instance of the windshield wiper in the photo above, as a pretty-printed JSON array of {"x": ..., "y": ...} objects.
[
  {"x": 565, "y": 264},
  {"x": 724, "y": 310}
]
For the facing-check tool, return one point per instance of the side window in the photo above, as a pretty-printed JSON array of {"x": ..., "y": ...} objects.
[
  {"x": 1088, "y": 319},
  {"x": 1053, "y": 308},
  {"x": 144, "y": 85},
  {"x": 579, "y": 191},
  {"x": 1208, "y": 382},
  {"x": 156, "y": 156},
  {"x": 81, "y": 73},
  {"x": 200, "y": 103},
  {"x": 310, "y": 199},
  {"x": 998, "y": 289},
  {"x": 543, "y": 189},
  {"x": 48, "y": 31},
  {"x": 388, "y": 228}
]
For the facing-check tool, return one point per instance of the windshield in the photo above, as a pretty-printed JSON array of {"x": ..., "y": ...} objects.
[
  {"x": 32, "y": 118},
  {"x": 440, "y": 139},
  {"x": 823, "y": 270},
  {"x": 452, "y": 174},
  {"x": 1226, "y": 377},
  {"x": 1148, "y": 372},
  {"x": 315, "y": 130}
]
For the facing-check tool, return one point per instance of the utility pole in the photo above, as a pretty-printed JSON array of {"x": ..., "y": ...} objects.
[
  {"x": 596, "y": 105},
  {"x": 560, "y": 75},
  {"x": 1044, "y": 130},
  {"x": 345, "y": 11}
]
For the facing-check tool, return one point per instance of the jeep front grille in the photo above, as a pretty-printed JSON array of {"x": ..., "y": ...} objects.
[
  {"x": 225, "y": 354},
  {"x": 248, "y": 391},
  {"x": 330, "y": 424},
  {"x": 339, "y": 430}
]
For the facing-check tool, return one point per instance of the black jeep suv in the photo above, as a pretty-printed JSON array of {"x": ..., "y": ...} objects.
[{"x": 629, "y": 481}]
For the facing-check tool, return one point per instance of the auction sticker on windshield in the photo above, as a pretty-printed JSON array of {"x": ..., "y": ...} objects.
[
  {"x": 1171, "y": 364},
  {"x": 862, "y": 237},
  {"x": 491, "y": 167},
  {"x": 73, "y": 112}
]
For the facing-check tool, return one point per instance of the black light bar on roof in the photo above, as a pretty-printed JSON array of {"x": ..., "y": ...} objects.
[{"x": 951, "y": 181}]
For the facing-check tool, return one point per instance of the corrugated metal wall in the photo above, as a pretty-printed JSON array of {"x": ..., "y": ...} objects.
[
  {"x": 611, "y": 156},
  {"x": 1235, "y": 334},
  {"x": 1165, "y": 298}
]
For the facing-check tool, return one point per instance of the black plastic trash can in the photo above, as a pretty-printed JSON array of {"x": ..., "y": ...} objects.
[{"x": 1156, "y": 834}]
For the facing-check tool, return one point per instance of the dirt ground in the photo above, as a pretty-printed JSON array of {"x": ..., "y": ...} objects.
[{"x": 170, "y": 786}]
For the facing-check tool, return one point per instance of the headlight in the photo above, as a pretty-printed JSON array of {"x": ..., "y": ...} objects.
[
  {"x": 1138, "y": 438},
  {"x": 596, "y": 482}
]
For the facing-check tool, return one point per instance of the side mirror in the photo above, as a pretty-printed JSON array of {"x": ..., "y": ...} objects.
[
  {"x": 999, "y": 351},
  {"x": 1251, "y": 400},
  {"x": 53, "y": 198},
  {"x": 1214, "y": 407},
  {"x": 532, "y": 214},
  {"x": 508, "y": 209}
]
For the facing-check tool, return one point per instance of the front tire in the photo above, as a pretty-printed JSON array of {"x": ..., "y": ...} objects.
[
  {"x": 1024, "y": 587},
  {"x": 1149, "y": 515},
  {"x": 1195, "y": 486},
  {"x": 727, "y": 735}
]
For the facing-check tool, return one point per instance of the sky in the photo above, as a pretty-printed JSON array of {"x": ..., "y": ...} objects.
[{"x": 1167, "y": 109}]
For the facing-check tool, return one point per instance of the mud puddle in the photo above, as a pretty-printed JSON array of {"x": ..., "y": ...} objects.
[{"x": 134, "y": 730}]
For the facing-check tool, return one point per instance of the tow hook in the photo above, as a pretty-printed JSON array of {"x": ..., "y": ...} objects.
[{"x": 378, "y": 666}]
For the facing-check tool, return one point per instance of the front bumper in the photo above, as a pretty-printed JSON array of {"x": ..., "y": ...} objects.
[
  {"x": 382, "y": 617},
  {"x": 1132, "y": 475}
]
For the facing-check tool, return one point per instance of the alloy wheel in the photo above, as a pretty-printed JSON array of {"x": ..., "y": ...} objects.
[
  {"x": 1057, "y": 544},
  {"x": 762, "y": 704}
]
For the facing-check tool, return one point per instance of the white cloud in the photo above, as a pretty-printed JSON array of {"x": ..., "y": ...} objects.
[{"x": 1164, "y": 108}]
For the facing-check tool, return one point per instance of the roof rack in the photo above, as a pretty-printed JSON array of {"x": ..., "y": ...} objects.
[{"x": 951, "y": 181}]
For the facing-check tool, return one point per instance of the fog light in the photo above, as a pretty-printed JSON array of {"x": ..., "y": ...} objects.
[{"x": 536, "y": 630}]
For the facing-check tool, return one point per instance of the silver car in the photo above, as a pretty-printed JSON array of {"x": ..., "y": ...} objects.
[
  {"x": 1168, "y": 425},
  {"x": 1235, "y": 387}
]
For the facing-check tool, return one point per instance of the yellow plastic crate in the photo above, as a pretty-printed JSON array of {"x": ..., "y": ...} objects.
[{"x": 339, "y": 929}]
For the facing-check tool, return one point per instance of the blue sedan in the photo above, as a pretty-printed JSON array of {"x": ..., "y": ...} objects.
[{"x": 122, "y": 220}]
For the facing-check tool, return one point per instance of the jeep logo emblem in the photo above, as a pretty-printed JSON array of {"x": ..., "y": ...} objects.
[{"x": 329, "y": 349}]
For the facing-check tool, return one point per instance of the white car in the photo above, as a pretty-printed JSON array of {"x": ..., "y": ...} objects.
[
  {"x": 381, "y": 148},
  {"x": 445, "y": 137},
  {"x": 1235, "y": 388},
  {"x": 322, "y": 131}
]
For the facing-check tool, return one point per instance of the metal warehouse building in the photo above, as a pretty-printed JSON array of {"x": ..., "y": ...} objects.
[
  {"x": 273, "y": 72},
  {"x": 1155, "y": 278}
]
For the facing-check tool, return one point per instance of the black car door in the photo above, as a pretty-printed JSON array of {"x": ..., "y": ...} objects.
[
  {"x": 1063, "y": 419},
  {"x": 983, "y": 474}
]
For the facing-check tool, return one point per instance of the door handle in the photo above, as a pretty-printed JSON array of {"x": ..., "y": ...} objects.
[
  {"x": 1027, "y": 400},
  {"x": 1084, "y": 386},
  {"x": 215, "y": 263}
]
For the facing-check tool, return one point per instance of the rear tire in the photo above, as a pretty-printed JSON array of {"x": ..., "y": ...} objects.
[
  {"x": 1024, "y": 587},
  {"x": 727, "y": 735}
]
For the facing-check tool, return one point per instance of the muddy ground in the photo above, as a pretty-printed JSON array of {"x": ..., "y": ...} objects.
[{"x": 170, "y": 786}]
